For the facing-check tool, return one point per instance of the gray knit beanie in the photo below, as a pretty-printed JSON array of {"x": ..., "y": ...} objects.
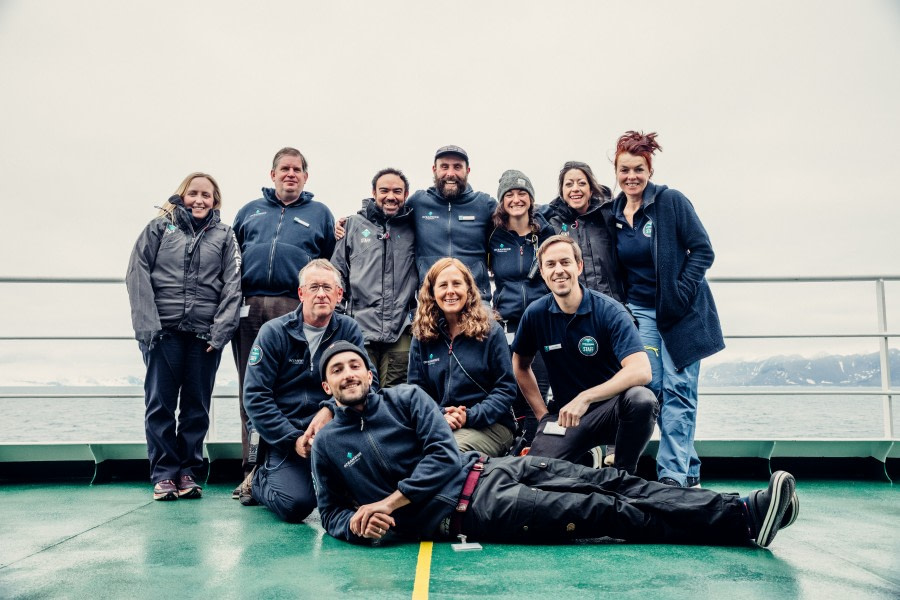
[{"x": 514, "y": 180}]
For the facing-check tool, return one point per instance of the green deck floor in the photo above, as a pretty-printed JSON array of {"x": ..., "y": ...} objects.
[{"x": 113, "y": 541}]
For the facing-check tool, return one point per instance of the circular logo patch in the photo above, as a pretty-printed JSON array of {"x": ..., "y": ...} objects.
[
  {"x": 648, "y": 229},
  {"x": 587, "y": 346},
  {"x": 255, "y": 355}
]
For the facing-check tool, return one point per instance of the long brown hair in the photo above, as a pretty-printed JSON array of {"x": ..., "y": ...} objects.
[{"x": 474, "y": 320}]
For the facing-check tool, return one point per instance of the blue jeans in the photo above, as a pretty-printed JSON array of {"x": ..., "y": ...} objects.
[{"x": 677, "y": 394}]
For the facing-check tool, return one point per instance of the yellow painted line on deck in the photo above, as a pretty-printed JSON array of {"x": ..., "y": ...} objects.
[{"x": 423, "y": 572}]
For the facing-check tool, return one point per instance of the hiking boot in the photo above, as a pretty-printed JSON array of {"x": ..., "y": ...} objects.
[
  {"x": 767, "y": 508},
  {"x": 165, "y": 490},
  {"x": 188, "y": 488},
  {"x": 246, "y": 494},
  {"x": 692, "y": 482},
  {"x": 670, "y": 482}
]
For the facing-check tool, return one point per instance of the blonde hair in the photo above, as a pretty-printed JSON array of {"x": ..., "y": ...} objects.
[
  {"x": 474, "y": 320},
  {"x": 168, "y": 209}
]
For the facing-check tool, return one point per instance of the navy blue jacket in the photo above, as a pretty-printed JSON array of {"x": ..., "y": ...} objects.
[
  {"x": 277, "y": 241},
  {"x": 400, "y": 441},
  {"x": 511, "y": 259},
  {"x": 458, "y": 228},
  {"x": 466, "y": 372},
  {"x": 282, "y": 386},
  {"x": 686, "y": 314},
  {"x": 595, "y": 233}
]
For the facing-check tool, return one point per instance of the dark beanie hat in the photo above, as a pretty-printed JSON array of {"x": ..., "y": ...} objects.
[
  {"x": 514, "y": 180},
  {"x": 337, "y": 348}
]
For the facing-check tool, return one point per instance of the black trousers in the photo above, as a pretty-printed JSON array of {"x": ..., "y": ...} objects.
[
  {"x": 626, "y": 420},
  {"x": 537, "y": 500},
  {"x": 180, "y": 376}
]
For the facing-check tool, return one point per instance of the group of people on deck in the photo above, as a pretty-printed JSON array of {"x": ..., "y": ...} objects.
[{"x": 382, "y": 381}]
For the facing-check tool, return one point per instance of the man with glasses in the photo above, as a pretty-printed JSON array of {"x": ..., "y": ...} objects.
[
  {"x": 283, "y": 395},
  {"x": 278, "y": 235}
]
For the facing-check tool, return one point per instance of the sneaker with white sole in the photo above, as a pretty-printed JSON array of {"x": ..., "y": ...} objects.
[
  {"x": 165, "y": 490},
  {"x": 188, "y": 488},
  {"x": 767, "y": 508}
]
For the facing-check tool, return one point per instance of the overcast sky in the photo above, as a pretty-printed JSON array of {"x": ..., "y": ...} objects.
[{"x": 779, "y": 120}]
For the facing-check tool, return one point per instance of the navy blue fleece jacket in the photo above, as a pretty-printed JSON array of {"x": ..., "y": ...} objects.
[
  {"x": 277, "y": 241},
  {"x": 685, "y": 311},
  {"x": 400, "y": 441},
  {"x": 466, "y": 372}
]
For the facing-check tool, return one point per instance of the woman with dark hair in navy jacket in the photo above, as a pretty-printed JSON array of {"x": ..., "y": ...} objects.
[
  {"x": 512, "y": 258},
  {"x": 664, "y": 253},
  {"x": 460, "y": 357}
]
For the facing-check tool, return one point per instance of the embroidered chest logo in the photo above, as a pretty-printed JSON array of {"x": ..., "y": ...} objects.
[
  {"x": 432, "y": 360},
  {"x": 502, "y": 249},
  {"x": 587, "y": 346},
  {"x": 430, "y": 216},
  {"x": 353, "y": 459},
  {"x": 648, "y": 229},
  {"x": 170, "y": 228},
  {"x": 366, "y": 233},
  {"x": 297, "y": 361}
]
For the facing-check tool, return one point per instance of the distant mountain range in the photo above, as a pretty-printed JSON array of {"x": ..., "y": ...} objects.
[{"x": 852, "y": 370}]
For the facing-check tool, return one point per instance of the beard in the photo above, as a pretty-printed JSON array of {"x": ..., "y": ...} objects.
[
  {"x": 354, "y": 398},
  {"x": 441, "y": 185}
]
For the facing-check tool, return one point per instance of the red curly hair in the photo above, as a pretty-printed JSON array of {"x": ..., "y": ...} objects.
[{"x": 637, "y": 143}]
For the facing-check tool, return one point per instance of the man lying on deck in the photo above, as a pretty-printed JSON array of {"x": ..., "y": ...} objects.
[{"x": 387, "y": 466}]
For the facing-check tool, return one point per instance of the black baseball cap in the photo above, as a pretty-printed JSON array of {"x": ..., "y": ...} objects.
[{"x": 444, "y": 150}]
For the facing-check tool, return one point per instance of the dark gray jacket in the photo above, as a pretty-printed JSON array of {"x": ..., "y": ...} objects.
[
  {"x": 596, "y": 235},
  {"x": 376, "y": 259},
  {"x": 183, "y": 279}
]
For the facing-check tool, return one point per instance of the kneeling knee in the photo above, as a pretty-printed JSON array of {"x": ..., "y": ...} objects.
[{"x": 641, "y": 401}]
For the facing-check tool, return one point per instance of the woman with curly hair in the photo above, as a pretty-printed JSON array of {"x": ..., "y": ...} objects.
[
  {"x": 665, "y": 252},
  {"x": 184, "y": 285},
  {"x": 459, "y": 356}
]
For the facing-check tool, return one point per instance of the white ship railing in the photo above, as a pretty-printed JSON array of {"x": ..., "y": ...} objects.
[{"x": 880, "y": 447}]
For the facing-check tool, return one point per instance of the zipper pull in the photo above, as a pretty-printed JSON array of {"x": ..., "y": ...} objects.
[{"x": 450, "y": 348}]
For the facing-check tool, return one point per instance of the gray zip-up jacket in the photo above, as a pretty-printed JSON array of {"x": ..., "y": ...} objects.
[
  {"x": 377, "y": 262},
  {"x": 183, "y": 279}
]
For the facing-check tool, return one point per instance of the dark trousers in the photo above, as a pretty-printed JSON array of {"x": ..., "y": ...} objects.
[
  {"x": 626, "y": 420},
  {"x": 262, "y": 309},
  {"x": 178, "y": 365},
  {"x": 525, "y": 418},
  {"x": 538, "y": 500},
  {"x": 283, "y": 483}
]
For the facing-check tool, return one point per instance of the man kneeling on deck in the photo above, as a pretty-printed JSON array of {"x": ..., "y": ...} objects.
[{"x": 387, "y": 465}]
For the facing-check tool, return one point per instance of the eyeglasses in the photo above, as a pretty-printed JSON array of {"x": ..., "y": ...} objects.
[{"x": 315, "y": 288}]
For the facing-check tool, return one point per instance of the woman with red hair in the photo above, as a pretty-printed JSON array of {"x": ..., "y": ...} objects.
[
  {"x": 664, "y": 253},
  {"x": 460, "y": 358}
]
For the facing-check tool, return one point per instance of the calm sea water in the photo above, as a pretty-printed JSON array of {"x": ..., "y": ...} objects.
[{"x": 122, "y": 419}]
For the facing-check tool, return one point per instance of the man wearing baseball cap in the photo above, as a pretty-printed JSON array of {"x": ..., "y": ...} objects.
[{"x": 451, "y": 219}]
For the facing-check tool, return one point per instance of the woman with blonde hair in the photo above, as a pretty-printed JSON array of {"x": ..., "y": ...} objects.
[
  {"x": 459, "y": 356},
  {"x": 184, "y": 285}
]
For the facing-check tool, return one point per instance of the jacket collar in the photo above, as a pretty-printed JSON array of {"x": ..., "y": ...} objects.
[
  {"x": 371, "y": 212},
  {"x": 348, "y": 414},
  {"x": 584, "y": 307},
  {"x": 271, "y": 198},
  {"x": 295, "y": 324}
]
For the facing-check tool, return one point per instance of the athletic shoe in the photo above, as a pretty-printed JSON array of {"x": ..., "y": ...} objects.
[
  {"x": 670, "y": 482},
  {"x": 188, "y": 488},
  {"x": 693, "y": 482},
  {"x": 236, "y": 493},
  {"x": 767, "y": 507},
  {"x": 246, "y": 496},
  {"x": 165, "y": 490}
]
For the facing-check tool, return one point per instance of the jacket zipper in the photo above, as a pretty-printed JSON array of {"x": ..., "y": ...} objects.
[{"x": 274, "y": 244}]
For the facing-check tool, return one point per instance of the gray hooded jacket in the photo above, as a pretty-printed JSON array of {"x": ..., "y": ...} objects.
[
  {"x": 186, "y": 280},
  {"x": 376, "y": 259}
]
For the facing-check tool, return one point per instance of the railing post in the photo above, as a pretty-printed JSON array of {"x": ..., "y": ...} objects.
[{"x": 884, "y": 351}]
